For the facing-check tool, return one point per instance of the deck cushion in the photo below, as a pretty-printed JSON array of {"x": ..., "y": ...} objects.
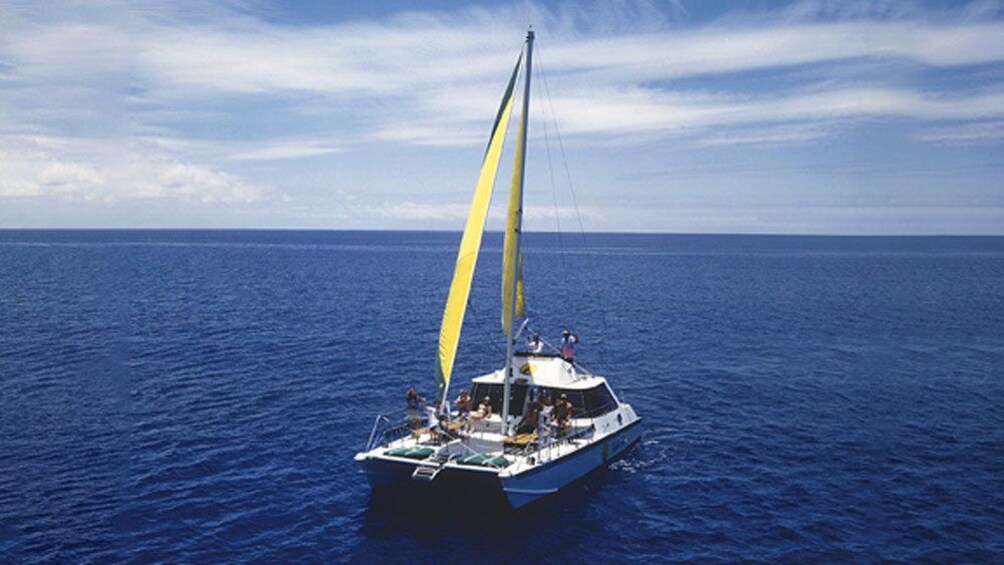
[
  {"x": 410, "y": 452},
  {"x": 478, "y": 460}
]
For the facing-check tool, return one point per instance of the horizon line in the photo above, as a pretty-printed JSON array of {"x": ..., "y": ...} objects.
[{"x": 418, "y": 230}]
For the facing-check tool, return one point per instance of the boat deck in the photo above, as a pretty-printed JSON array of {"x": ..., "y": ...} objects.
[{"x": 486, "y": 446}]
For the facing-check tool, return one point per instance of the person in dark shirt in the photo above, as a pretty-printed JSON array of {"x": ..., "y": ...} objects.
[
  {"x": 463, "y": 404},
  {"x": 529, "y": 423},
  {"x": 412, "y": 398},
  {"x": 562, "y": 414}
]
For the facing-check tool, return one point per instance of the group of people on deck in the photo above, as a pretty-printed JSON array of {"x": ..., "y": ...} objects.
[
  {"x": 470, "y": 418},
  {"x": 541, "y": 412}
]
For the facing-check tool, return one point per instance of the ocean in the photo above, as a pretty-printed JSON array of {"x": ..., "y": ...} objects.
[{"x": 197, "y": 396}]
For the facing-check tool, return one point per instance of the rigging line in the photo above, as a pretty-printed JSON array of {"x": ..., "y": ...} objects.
[
  {"x": 571, "y": 188},
  {"x": 481, "y": 329},
  {"x": 554, "y": 184}
]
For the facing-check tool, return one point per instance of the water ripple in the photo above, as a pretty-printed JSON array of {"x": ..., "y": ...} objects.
[{"x": 197, "y": 396}]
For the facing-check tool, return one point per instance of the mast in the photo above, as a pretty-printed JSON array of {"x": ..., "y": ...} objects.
[{"x": 512, "y": 334}]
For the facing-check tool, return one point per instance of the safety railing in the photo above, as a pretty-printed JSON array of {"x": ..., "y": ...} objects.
[{"x": 392, "y": 426}]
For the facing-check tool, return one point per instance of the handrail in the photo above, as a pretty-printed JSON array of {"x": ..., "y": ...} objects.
[
  {"x": 376, "y": 424},
  {"x": 388, "y": 417},
  {"x": 553, "y": 439}
]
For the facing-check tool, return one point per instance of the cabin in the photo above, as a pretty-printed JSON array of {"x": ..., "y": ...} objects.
[{"x": 546, "y": 373}]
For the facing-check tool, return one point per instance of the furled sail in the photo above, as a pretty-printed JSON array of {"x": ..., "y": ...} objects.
[
  {"x": 511, "y": 245},
  {"x": 470, "y": 243}
]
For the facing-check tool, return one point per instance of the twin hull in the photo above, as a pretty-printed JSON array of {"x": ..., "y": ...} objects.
[{"x": 487, "y": 485}]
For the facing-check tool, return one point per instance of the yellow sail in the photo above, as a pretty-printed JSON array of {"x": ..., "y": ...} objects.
[
  {"x": 510, "y": 246},
  {"x": 470, "y": 243}
]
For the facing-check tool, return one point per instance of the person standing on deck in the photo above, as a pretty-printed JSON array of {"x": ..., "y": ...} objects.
[
  {"x": 562, "y": 414},
  {"x": 463, "y": 404},
  {"x": 534, "y": 344},
  {"x": 412, "y": 397},
  {"x": 568, "y": 341}
]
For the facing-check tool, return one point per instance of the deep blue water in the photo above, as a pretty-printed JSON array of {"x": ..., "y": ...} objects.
[{"x": 198, "y": 396}]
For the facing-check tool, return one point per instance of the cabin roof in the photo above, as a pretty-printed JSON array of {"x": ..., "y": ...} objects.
[{"x": 545, "y": 370}]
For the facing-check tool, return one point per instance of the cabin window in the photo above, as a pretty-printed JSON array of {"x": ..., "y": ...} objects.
[
  {"x": 494, "y": 393},
  {"x": 589, "y": 403},
  {"x": 598, "y": 401},
  {"x": 574, "y": 396}
]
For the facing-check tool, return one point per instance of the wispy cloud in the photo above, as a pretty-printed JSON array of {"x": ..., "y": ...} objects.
[
  {"x": 446, "y": 66},
  {"x": 201, "y": 102},
  {"x": 965, "y": 133},
  {"x": 785, "y": 134},
  {"x": 286, "y": 149}
]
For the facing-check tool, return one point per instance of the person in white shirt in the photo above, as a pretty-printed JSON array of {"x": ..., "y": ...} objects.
[
  {"x": 484, "y": 411},
  {"x": 534, "y": 344},
  {"x": 432, "y": 414}
]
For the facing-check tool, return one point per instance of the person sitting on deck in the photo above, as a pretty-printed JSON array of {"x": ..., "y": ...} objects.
[
  {"x": 529, "y": 423},
  {"x": 546, "y": 411},
  {"x": 440, "y": 421},
  {"x": 432, "y": 416},
  {"x": 568, "y": 341},
  {"x": 562, "y": 414},
  {"x": 483, "y": 412}
]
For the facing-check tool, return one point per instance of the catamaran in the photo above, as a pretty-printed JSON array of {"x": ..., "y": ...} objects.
[{"x": 511, "y": 449}]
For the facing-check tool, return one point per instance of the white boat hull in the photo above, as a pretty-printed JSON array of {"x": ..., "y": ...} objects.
[
  {"x": 530, "y": 486},
  {"x": 516, "y": 491}
]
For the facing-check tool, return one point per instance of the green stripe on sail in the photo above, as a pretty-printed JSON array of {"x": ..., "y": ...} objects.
[{"x": 507, "y": 96}]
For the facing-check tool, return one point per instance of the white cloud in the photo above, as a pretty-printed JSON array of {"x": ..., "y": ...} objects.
[
  {"x": 69, "y": 178},
  {"x": 447, "y": 66},
  {"x": 103, "y": 171},
  {"x": 785, "y": 134},
  {"x": 412, "y": 211},
  {"x": 639, "y": 110},
  {"x": 286, "y": 149},
  {"x": 152, "y": 84},
  {"x": 187, "y": 182},
  {"x": 406, "y": 53},
  {"x": 965, "y": 133},
  {"x": 439, "y": 75}
]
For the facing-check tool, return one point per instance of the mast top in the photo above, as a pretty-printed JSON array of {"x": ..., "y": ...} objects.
[{"x": 529, "y": 34}]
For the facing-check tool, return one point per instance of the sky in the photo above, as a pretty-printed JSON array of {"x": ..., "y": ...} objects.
[{"x": 806, "y": 117}]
